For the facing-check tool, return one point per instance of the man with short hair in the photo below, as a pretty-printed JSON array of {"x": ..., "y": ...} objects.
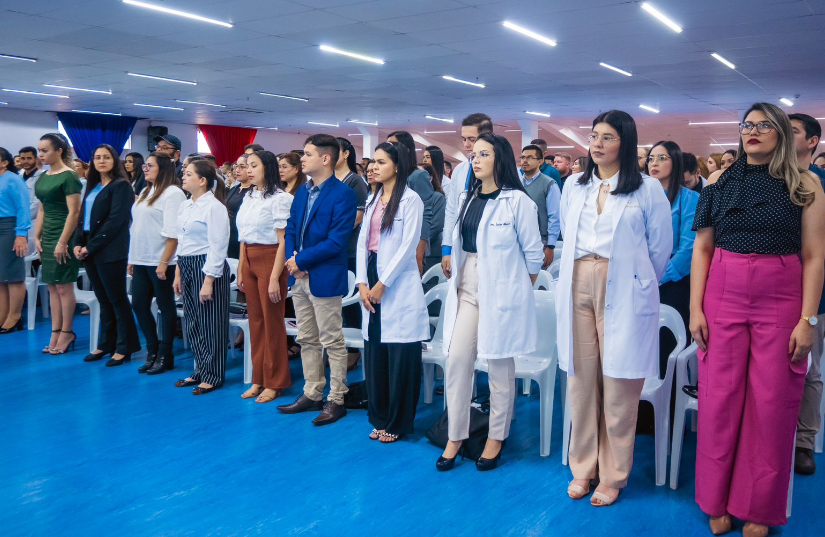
[
  {"x": 563, "y": 162},
  {"x": 30, "y": 173},
  {"x": 321, "y": 219},
  {"x": 472, "y": 127},
  {"x": 169, "y": 145},
  {"x": 547, "y": 168},
  {"x": 252, "y": 148},
  {"x": 546, "y": 194},
  {"x": 806, "y": 135}
]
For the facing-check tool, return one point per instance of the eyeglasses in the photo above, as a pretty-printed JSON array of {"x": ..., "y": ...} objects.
[
  {"x": 165, "y": 148},
  {"x": 528, "y": 158},
  {"x": 148, "y": 166},
  {"x": 480, "y": 155},
  {"x": 762, "y": 127},
  {"x": 660, "y": 158},
  {"x": 606, "y": 139}
]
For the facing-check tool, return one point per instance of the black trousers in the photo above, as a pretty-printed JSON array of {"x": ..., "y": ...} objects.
[
  {"x": 118, "y": 331},
  {"x": 393, "y": 373},
  {"x": 676, "y": 295},
  {"x": 145, "y": 286}
]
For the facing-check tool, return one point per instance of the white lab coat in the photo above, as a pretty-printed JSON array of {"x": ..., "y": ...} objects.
[
  {"x": 509, "y": 251},
  {"x": 642, "y": 243},
  {"x": 404, "y": 317}
]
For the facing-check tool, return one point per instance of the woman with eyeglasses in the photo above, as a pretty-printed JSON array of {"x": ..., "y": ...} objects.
[
  {"x": 234, "y": 198},
  {"x": 617, "y": 226},
  {"x": 490, "y": 308},
  {"x": 292, "y": 176},
  {"x": 152, "y": 260},
  {"x": 756, "y": 281}
]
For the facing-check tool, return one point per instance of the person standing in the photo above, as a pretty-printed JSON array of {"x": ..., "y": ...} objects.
[
  {"x": 133, "y": 164},
  {"x": 392, "y": 299},
  {"x": 234, "y": 198},
  {"x": 320, "y": 222},
  {"x": 30, "y": 172},
  {"x": 170, "y": 146},
  {"x": 617, "y": 225},
  {"x": 546, "y": 195},
  {"x": 15, "y": 222},
  {"x": 563, "y": 162}
]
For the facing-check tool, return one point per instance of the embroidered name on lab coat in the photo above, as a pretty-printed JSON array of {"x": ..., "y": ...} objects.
[{"x": 499, "y": 224}]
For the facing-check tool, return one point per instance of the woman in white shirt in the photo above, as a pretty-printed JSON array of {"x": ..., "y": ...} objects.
[
  {"x": 261, "y": 222},
  {"x": 154, "y": 239},
  {"x": 490, "y": 311},
  {"x": 394, "y": 318},
  {"x": 202, "y": 277},
  {"x": 607, "y": 302}
]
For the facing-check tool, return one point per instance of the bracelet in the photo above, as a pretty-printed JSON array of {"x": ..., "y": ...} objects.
[
  {"x": 163, "y": 262},
  {"x": 66, "y": 245}
]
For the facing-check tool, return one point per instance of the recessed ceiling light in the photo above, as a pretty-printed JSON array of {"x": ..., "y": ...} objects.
[
  {"x": 21, "y": 58},
  {"x": 786, "y": 101},
  {"x": 723, "y": 60},
  {"x": 439, "y": 132},
  {"x": 375, "y": 124},
  {"x": 327, "y": 48},
  {"x": 720, "y": 145},
  {"x": 560, "y": 147},
  {"x": 662, "y": 18},
  {"x": 163, "y": 78},
  {"x": 283, "y": 96},
  {"x": 158, "y": 106},
  {"x": 177, "y": 12},
  {"x": 648, "y": 108},
  {"x": 454, "y": 79},
  {"x": 542, "y": 114},
  {"x": 97, "y": 113},
  {"x": 323, "y": 124},
  {"x": 529, "y": 33},
  {"x": 107, "y": 92},
  {"x": 200, "y": 103},
  {"x": 442, "y": 119},
  {"x": 713, "y": 123},
  {"x": 35, "y": 93},
  {"x": 613, "y": 68}
]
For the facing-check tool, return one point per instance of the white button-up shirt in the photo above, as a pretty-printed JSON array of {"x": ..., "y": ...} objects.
[
  {"x": 261, "y": 216},
  {"x": 203, "y": 228},
  {"x": 595, "y": 234},
  {"x": 153, "y": 224}
]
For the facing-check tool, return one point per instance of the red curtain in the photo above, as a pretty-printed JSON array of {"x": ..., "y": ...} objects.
[{"x": 227, "y": 143}]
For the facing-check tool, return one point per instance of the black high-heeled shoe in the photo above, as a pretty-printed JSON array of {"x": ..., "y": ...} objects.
[
  {"x": 150, "y": 361},
  {"x": 16, "y": 326},
  {"x": 113, "y": 363},
  {"x": 94, "y": 356},
  {"x": 484, "y": 465},
  {"x": 48, "y": 349},
  {"x": 69, "y": 347},
  {"x": 443, "y": 464}
]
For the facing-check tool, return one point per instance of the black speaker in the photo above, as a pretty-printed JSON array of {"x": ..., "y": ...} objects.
[{"x": 156, "y": 130}]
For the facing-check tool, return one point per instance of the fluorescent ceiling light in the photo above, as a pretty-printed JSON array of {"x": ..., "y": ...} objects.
[
  {"x": 98, "y": 113},
  {"x": 107, "y": 92},
  {"x": 165, "y": 79},
  {"x": 327, "y": 48},
  {"x": 323, "y": 124},
  {"x": 442, "y": 119},
  {"x": 283, "y": 96},
  {"x": 355, "y": 134},
  {"x": 259, "y": 128},
  {"x": 713, "y": 123},
  {"x": 439, "y": 132},
  {"x": 454, "y": 79},
  {"x": 200, "y": 103},
  {"x": 418, "y": 149},
  {"x": 560, "y": 147},
  {"x": 732, "y": 143},
  {"x": 177, "y": 12},
  {"x": 542, "y": 114},
  {"x": 612, "y": 68},
  {"x": 786, "y": 101},
  {"x": 3, "y": 102},
  {"x": 585, "y": 127},
  {"x": 362, "y": 122},
  {"x": 662, "y": 18},
  {"x": 529, "y": 33},
  {"x": 35, "y": 93},
  {"x": 21, "y": 58},
  {"x": 513, "y": 130},
  {"x": 648, "y": 108},
  {"x": 646, "y": 145},
  {"x": 158, "y": 106},
  {"x": 723, "y": 60}
]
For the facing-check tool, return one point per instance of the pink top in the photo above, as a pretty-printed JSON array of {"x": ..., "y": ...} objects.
[{"x": 375, "y": 226}]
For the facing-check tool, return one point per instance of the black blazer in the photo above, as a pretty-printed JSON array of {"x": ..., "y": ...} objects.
[{"x": 108, "y": 237}]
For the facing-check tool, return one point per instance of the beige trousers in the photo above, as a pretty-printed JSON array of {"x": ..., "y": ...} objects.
[
  {"x": 320, "y": 327},
  {"x": 809, "y": 418},
  {"x": 603, "y": 409}
]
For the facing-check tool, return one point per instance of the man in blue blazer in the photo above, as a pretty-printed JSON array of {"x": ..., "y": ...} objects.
[{"x": 317, "y": 232}]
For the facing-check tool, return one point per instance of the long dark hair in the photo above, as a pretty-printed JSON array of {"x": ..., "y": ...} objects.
[
  {"x": 5, "y": 155},
  {"x": 630, "y": 178},
  {"x": 677, "y": 170},
  {"x": 293, "y": 159},
  {"x": 437, "y": 158},
  {"x": 166, "y": 177},
  {"x": 433, "y": 177},
  {"x": 505, "y": 173},
  {"x": 272, "y": 178},
  {"x": 405, "y": 138},
  {"x": 93, "y": 176},
  {"x": 346, "y": 145},
  {"x": 205, "y": 169},
  {"x": 398, "y": 154},
  {"x": 137, "y": 166},
  {"x": 59, "y": 141}
]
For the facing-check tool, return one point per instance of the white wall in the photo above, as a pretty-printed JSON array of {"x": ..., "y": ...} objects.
[{"x": 19, "y": 128}]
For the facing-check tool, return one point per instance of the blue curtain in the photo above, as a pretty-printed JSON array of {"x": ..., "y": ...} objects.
[{"x": 88, "y": 131}]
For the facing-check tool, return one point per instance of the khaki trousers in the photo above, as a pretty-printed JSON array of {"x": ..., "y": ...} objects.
[
  {"x": 603, "y": 409},
  {"x": 809, "y": 418},
  {"x": 320, "y": 327}
]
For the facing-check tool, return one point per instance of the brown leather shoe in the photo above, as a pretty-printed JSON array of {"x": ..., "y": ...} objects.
[
  {"x": 332, "y": 412},
  {"x": 302, "y": 404}
]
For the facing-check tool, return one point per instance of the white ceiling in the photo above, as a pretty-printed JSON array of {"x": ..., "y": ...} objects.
[{"x": 777, "y": 46}]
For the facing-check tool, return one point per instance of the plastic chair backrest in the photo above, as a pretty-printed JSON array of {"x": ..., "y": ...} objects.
[
  {"x": 554, "y": 268},
  {"x": 438, "y": 293},
  {"x": 543, "y": 281},
  {"x": 669, "y": 318},
  {"x": 434, "y": 272},
  {"x": 233, "y": 269},
  {"x": 546, "y": 318},
  {"x": 685, "y": 365},
  {"x": 351, "y": 285}
]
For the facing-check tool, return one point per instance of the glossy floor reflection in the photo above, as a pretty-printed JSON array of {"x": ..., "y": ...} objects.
[{"x": 88, "y": 450}]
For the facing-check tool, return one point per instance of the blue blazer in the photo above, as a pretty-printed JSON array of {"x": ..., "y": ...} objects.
[{"x": 329, "y": 226}]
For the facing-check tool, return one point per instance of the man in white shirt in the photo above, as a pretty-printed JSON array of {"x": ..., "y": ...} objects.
[
  {"x": 472, "y": 127},
  {"x": 30, "y": 173}
]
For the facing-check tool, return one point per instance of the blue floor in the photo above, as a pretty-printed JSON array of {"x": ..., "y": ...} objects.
[{"x": 86, "y": 450}]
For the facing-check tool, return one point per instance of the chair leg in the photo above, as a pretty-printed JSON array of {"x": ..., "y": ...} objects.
[
  {"x": 565, "y": 445},
  {"x": 247, "y": 356},
  {"x": 94, "y": 324},
  {"x": 233, "y": 333},
  {"x": 526, "y": 385},
  {"x": 819, "y": 435},
  {"x": 44, "y": 300},
  {"x": 428, "y": 374},
  {"x": 31, "y": 305},
  {"x": 790, "y": 485},
  {"x": 676, "y": 445},
  {"x": 547, "y": 393},
  {"x": 662, "y": 435}
]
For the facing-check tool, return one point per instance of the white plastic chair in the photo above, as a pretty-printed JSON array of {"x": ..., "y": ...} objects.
[
  {"x": 434, "y": 354},
  {"x": 435, "y": 272},
  {"x": 90, "y": 300},
  {"x": 543, "y": 281},
  {"x": 31, "y": 300},
  {"x": 554, "y": 268}
]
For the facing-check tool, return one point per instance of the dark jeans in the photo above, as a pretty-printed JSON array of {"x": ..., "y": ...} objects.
[
  {"x": 118, "y": 332},
  {"x": 145, "y": 286},
  {"x": 677, "y": 296}
]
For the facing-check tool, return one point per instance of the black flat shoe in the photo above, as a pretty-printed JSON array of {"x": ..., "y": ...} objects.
[
  {"x": 150, "y": 361},
  {"x": 484, "y": 465},
  {"x": 13, "y": 328},
  {"x": 162, "y": 363},
  {"x": 201, "y": 391},
  {"x": 114, "y": 363},
  {"x": 94, "y": 357},
  {"x": 183, "y": 383}
]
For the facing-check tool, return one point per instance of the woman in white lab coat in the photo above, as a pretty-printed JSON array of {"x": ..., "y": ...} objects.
[
  {"x": 617, "y": 224},
  {"x": 490, "y": 309},
  {"x": 394, "y": 320}
]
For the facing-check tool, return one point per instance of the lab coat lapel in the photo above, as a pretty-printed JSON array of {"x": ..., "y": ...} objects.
[{"x": 618, "y": 210}]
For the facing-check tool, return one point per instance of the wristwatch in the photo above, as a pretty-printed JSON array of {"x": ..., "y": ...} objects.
[{"x": 812, "y": 320}]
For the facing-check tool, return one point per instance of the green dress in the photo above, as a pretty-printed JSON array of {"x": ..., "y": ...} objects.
[{"x": 52, "y": 190}]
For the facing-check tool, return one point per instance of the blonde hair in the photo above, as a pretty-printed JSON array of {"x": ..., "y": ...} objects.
[{"x": 783, "y": 164}]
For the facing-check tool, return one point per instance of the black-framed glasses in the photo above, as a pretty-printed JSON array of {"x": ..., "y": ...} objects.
[{"x": 762, "y": 127}]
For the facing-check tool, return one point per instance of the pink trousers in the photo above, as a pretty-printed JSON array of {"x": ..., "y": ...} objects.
[{"x": 749, "y": 390}]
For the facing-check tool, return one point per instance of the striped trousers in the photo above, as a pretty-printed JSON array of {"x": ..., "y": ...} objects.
[{"x": 207, "y": 324}]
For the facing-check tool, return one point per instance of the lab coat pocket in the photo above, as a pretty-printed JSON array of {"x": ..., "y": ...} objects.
[
  {"x": 509, "y": 294},
  {"x": 501, "y": 235},
  {"x": 645, "y": 301}
]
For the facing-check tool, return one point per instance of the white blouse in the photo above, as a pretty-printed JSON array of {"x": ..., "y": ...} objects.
[
  {"x": 260, "y": 217},
  {"x": 152, "y": 225},
  {"x": 203, "y": 228},
  {"x": 595, "y": 234}
]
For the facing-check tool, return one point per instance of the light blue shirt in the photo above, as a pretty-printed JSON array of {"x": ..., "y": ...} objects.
[
  {"x": 682, "y": 212},
  {"x": 553, "y": 203},
  {"x": 14, "y": 202},
  {"x": 90, "y": 201}
]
